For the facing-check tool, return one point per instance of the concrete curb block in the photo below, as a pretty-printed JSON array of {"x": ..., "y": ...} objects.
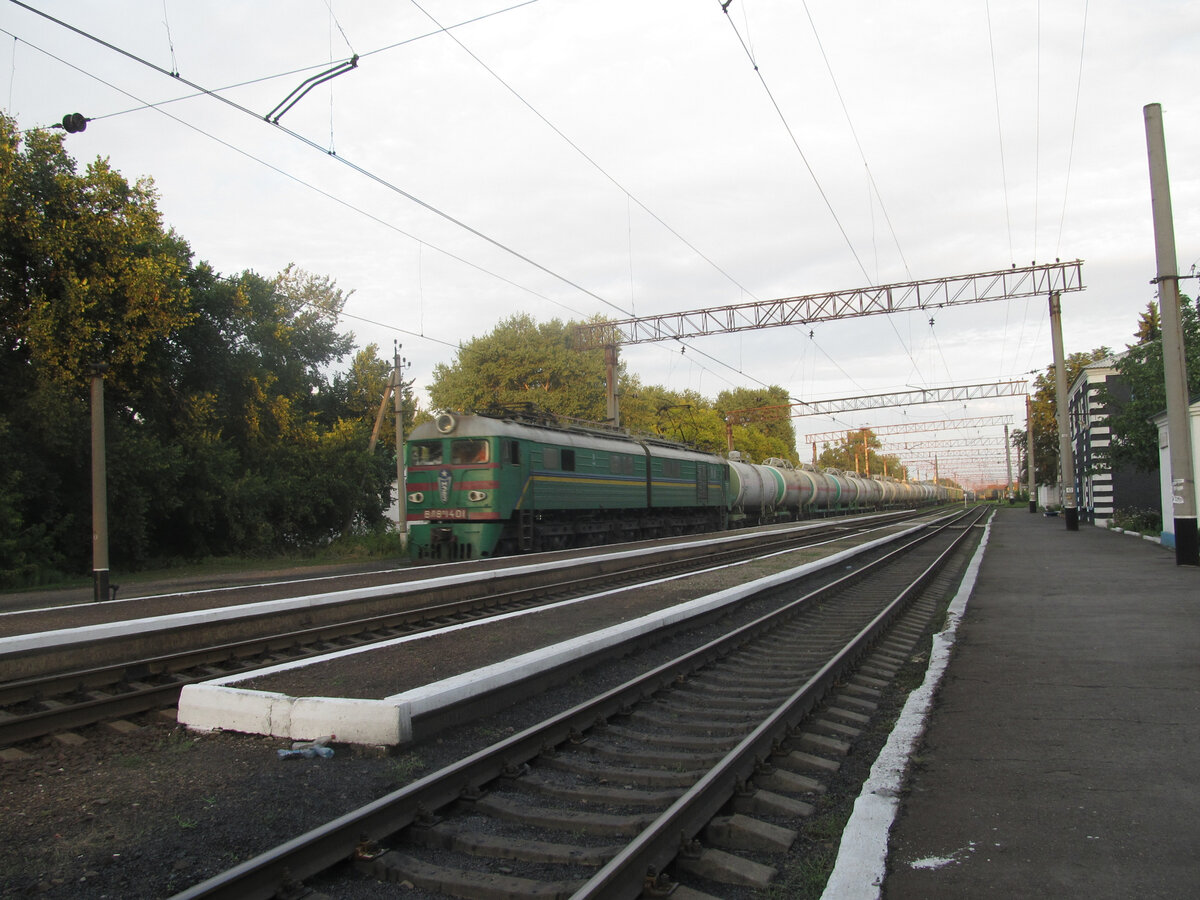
[
  {"x": 215, "y": 705},
  {"x": 212, "y": 707},
  {"x": 861, "y": 864}
]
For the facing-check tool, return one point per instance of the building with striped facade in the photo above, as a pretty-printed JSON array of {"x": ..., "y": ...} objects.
[{"x": 1100, "y": 491}]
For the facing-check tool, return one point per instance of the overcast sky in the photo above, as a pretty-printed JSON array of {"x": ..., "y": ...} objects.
[{"x": 626, "y": 158}]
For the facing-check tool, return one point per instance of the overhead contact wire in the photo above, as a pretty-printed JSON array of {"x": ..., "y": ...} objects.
[
  {"x": 599, "y": 168},
  {"x": 323, "y": 193},
  {"x": 795, "y": 142},
  {"x": 366, "y": 173},
  {"x": 1074, "y": 123}
]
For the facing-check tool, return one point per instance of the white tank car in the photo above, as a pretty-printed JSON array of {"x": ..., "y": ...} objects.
[
  {"x": 872, "y": 495},
  {"x": 800, "y": 487},
  {"x": 755, "y": 492}
]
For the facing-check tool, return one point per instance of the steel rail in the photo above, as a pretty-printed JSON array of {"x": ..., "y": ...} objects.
[
  {"x": 338, "y": 840},
  {"x": 625, "y": 874}
]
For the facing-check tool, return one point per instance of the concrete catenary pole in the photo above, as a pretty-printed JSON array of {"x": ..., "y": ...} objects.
[
  {"x": 1008, "y": 485},
  {"x": 1066, "y": 459},
  {"x": 1029, "y": 454},
  {"x": 398, "y": 405},
  {"x": 610, "y": 387},
  {"x": 1179, "y": 444},
  {"x": 99, "y": 489}
]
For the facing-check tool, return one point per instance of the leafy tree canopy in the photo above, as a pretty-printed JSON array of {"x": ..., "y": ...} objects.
[
  {"x": 1044, "y": 415},
  {"x": 521, "y": 362},
  {"x": 858, "y": 451},
  {"x": 226, "y": 430},
  {"x": 1134, "y": 437}
]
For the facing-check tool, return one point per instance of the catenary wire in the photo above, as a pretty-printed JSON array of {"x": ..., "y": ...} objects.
[
  {"x": 857, "y": 143},
  {"x": 308, "y": 142},
  {"x": 999, "y": 129},
  {"x": 295, "y": 135},
  {"x": 590, "y": 160},
  {"x": 322, "y": 192},
  {"x": 1074, "y": 122},
  {"x": 795, "y": 143}
]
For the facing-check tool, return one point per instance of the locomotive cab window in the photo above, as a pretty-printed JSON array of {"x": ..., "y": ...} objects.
[
  {"x": 468, "y": 451},
  {"x": 425, "y": 453},
  {"x": 568, "y": 460},
  {"x": 512, "y": 452}
]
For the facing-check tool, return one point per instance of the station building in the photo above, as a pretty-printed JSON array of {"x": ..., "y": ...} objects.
[{"x": 1099, "y": 491}]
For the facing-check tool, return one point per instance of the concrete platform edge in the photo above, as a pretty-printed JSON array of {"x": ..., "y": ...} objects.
[{"x": 216, "y": 705}]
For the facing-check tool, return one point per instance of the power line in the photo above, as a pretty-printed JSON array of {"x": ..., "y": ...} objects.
[
  {"x": 1074, "y": 122},
  {"x": 363, "y": 171},
  {"x": 795, "y": 142},
  {"x": 599, "y": 168},
  {"x": 816, "y": 181},
  {"x": 366, "y": 173},
  {"x": 315, "y": 189},
  {"x": 857, "y": 142},
  {"x": 999, "y": 128}
]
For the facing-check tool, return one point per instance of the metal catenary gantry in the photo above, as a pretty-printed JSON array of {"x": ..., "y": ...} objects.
[{"x": 928, "y": 294}]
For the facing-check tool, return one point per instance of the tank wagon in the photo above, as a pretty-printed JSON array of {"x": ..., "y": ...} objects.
[{"x": 483, "y": 485}]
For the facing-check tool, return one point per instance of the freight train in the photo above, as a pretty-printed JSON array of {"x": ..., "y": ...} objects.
[{"x": 482, "y": 485}]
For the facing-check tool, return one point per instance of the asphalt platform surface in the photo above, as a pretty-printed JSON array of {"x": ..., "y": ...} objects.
[{"x": 1062, "y": 756}]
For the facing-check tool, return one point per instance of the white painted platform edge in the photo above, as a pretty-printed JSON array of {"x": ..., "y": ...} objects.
[
  {"x": 861, "y": 863},
  {"x": 215, "y": 705}
]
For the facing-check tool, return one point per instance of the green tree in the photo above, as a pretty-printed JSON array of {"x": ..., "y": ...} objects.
[
  {"x": 761, "y": 420},
  {"x": 88, "y": 277},
  {"x": 228, "y": 430},
  {"x": 858, "y": 451},
  {"x": 1044, "y": 415},
  {"x": 523, "y": 363},
  {"x": 1134, "y": 437},
  {"x": 1149, "y": 325}
]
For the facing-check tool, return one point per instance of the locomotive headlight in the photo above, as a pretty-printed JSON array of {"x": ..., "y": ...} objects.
[
  {"x": 416, "y": 497},
  {"x": 476, "y": 496}
]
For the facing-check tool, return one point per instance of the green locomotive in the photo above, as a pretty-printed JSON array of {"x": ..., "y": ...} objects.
[{"x": 481, "y": 486}]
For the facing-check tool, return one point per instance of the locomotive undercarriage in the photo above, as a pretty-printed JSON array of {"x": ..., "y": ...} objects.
[{"x": 567, "y": 529}]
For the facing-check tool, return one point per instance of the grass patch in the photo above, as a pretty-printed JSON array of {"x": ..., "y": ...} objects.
[{"x": 404, "y": 768}]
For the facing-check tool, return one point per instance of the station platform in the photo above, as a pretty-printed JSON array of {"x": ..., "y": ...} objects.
[{"x": 1059, "y": 756}]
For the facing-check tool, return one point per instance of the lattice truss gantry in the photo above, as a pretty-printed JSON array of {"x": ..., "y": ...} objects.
[{"x": 928, "y": 294}]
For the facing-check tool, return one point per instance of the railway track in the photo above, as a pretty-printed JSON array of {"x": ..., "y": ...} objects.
[
  {"x": 69, "y": 696},
  {"x": 691, "y": 774}
]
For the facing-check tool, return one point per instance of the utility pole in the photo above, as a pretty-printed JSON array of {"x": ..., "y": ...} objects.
[
  {"x": 1008, "y": 485},
  {"x": 1066, "y": 459},
  {"x": 1029, "y": 454},
  {"x": 398, "y": 401},
  {"x": 99, "y": 489},
  {"x": 610, "y": 387},
  {"x": 1183, "y": 481}
]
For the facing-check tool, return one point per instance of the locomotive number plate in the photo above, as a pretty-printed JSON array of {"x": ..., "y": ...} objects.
[{"x": 445, "y": 513}]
